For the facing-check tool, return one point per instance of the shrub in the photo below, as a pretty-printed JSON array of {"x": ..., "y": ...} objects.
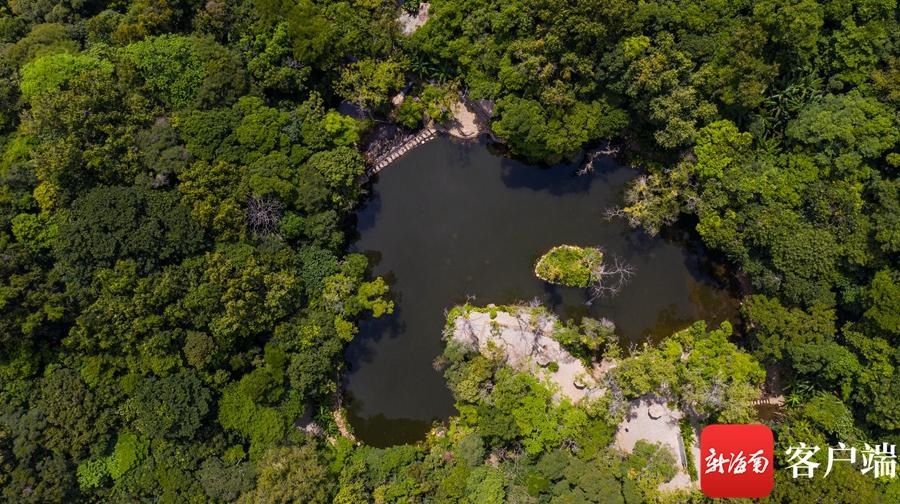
[{"x": 568, "y": 265}]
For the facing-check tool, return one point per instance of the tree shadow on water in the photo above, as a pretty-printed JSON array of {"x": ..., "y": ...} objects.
[
  {"x": 558, "y": 180},
  {"x": 367, "y": 214},
  {"x": 363, "y": 348},
  {"x": 637, "y": 242},
  {"x": 382, "y": 432},
  {"x": 552, "y": 297}
]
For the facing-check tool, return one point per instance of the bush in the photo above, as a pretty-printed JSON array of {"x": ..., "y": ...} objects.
[
  {"x": 410, "y": 113},
  {"x": 568, "y": 265}
]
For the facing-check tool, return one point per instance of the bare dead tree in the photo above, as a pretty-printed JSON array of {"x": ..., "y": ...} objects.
[
  {"x": 571, "y": 444},
  {"x": 617, "y": 404},
  {"x": 534, "y": 326},
  {"x": 611, "y": 213},
  {"x": 533, "y": 302},
  {"x": 632, "y": 348},
  {"x": 620, "y": 213},
  {"x": 609, "y": 149},
  {"x": 715, "y": 397},
  {"x": 608, "y": 278},
  {"x": 691, "y": 203},
  {"x": 520, "y": 320},
  {"x": 538, "y": 321},
  {"x": 697, "y": 401},
  {"x": 440, "y": 363},
  {"x": 469, "y": 331},
  {"x": 534, "y": 347},
  {"x": 263, "y": 215},
  {"x": 542, "y": 320},
  {"x": 606, "y": 150}
]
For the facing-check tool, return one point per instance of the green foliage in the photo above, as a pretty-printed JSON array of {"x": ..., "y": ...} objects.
[
  {"x": 588, "y": 339},
  {"x": 885, "y": 301},
  {"x": 569, "y": 265},
  {"x": 128, "y": 452},
  {"x": 183, "y": 71},
  {"x": 775, "y": 127},
  {"x": 309, "y": 30},
  {"x": 369, "y": 83},
  {"x": 291, "y": 474},
  {"x": 49, "y": 73},
  {"x": 503, "y": 407},
  {"x": 37, "y": 232},
  {"x": 844, "y": 125},
  {"x": 652, "y": 463},
  {"x": 112, "y": 223},
  {"x": 91, "y": 473},
  {"x": 485, "y": 485},
  {"x": 75, "y": 422},
  {"x": 269, "y": 56},
  {"x": 343, "y": 130},
  {"x": 174, "y": 406},
  {"x": 780, "y": 330},
  {"x": 43, "y": 39},
  {"x": 844, "y": 484},
  {"x": 157, "y": 346},
  {"x": 535, "y": 134},
  {"x": 124, "y": 192},
  {"x": 710, "y": 376},
  {"x": 410, "y": 113},
  {"x": 438, "y": 102}
]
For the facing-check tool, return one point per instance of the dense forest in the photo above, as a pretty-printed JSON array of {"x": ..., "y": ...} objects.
[{"x": 176, "y": 187}]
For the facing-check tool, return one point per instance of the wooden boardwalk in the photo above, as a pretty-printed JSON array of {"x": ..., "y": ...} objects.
[
  {"x": 769, "y": 400},
  {"x": 394, "y": 154}
]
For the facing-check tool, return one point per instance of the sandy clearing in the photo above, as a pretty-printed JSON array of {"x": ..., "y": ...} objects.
[
  {"x": 465, "y": 122},
  {"x": 652, "y": 420},
  {"x": 527, "y": 346}
]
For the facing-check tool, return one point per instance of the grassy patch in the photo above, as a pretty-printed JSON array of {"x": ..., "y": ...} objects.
[{"x": 568, "y": 265}]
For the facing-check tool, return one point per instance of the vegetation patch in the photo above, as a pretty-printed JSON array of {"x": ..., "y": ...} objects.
[
  {"x": 175, "y": 289},
  {"x": 569, "y": 265}
]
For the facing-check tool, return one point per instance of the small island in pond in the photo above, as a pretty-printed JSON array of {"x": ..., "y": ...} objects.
[{"x": 569, "y": 265}]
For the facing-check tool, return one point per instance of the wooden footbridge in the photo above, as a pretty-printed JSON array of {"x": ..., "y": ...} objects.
[
  {"x": 423, "y": 136},
  {"x": 769, "y": 400}
]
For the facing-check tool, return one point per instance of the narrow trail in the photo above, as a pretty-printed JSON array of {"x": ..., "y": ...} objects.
[
  {"x": 339, "y": 414},
  {"x": 340, "y": 418}
]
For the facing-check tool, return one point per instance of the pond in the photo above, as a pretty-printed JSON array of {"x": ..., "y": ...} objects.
[{"x": 450, "y": 221}]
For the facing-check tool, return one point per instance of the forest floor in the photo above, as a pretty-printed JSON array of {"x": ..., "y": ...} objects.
[{"x": 340, "y": 419}]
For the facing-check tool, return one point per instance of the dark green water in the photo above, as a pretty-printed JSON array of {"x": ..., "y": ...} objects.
[{"x": 451, "y": 220}]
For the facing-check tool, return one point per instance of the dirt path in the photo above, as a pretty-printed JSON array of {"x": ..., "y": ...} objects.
[{"x": 340, "y": 418}]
